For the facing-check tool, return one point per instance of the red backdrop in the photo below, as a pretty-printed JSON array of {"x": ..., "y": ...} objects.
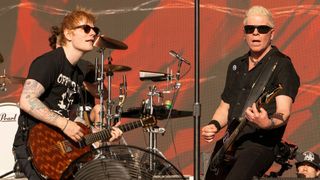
[{"x": 152, "y": 28}]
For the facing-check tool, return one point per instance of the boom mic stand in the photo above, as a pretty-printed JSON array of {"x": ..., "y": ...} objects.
[{"x": 153, "y": 131}]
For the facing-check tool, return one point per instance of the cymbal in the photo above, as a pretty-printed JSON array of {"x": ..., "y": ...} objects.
[
  {"x": 106, "y": 42},
  {"x": 113, "y": 68},
  {"x": 12, "y": 79},
  {"x": 160, "y": 113}
]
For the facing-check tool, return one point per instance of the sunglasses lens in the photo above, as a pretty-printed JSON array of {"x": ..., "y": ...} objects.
[
  {"x": 96, "y": 30},
  {"x": 263, "y": 29},
  {"x": 249, "y": 29},
  {"x": 86, "y": 28}
]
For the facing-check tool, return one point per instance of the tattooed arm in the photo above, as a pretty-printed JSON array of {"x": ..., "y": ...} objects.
[{"x": 30, "y": 103}]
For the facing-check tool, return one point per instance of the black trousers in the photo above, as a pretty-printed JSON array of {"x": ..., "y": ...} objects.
[
  {"x": 251, "y": 159},
  {"x": 23, "y": 156}
]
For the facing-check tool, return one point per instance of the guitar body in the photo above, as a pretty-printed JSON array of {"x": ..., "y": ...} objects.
[
  {"x": 52, "y": 151},
  {"x": 222, "y": 158},
  {"x": 217, "y": 170}
]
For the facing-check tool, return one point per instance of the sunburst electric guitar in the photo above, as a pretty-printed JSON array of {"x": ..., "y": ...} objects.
[{"x": 52, "y": 151}]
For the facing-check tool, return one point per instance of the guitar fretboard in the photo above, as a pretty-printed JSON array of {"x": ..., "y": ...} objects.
[{"x": 106, "y": 133}]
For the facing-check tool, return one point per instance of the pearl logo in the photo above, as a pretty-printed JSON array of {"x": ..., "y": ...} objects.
[{"x": 4, "y": 117}]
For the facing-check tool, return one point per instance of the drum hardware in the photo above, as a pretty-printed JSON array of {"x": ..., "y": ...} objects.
[
  {"x": 1, "y": 58},
  {"x": 148, "y": 104},
  {"x": 147, "y": 108},
  {"x": 102, "y": 41},
  {"x": 5, "y": 80},
  {"x": 114, "y": 68},
  {"x": 9, "y": 113},
  {"x": 81, "y": 109},
  {"x": 160, "y": 112},
  {"x": 122, "y": 97},
  {"x": 101, "y": 70},
  {"x": 153, "y": 76}
]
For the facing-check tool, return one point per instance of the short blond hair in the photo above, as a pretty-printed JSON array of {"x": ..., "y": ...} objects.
[{"x": 259, "y": 10}]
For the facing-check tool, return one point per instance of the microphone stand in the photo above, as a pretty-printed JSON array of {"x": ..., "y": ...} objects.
[
  {"x": 156, "y": 130},
  {"x": 175, "y": 93}
]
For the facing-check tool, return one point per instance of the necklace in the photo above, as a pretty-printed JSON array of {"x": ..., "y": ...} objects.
[{"x": 253, "y": 61}]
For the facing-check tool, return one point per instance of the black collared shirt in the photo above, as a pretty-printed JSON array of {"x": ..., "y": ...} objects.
[{"x": 239, "y": 82}]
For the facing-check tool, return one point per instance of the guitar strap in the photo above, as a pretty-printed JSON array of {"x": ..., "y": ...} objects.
[{"x": 259, "y": 85}]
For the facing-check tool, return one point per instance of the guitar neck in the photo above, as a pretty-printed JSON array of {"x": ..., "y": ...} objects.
[
  {"x": 106, "y": 133},
  {"x": 229, "y": 141}
]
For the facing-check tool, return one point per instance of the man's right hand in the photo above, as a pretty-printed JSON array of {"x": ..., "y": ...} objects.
[
  {"x": 73, "y": 130},
  {"x": 208, "y": 132}
]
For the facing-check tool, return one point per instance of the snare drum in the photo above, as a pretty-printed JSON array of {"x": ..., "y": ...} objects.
[{"x": 9, "y": 114}]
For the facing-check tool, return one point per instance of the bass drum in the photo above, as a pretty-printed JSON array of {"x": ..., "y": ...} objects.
[
  {"x": 121, "y": 162},
  {"x": 9, "y": 114}
]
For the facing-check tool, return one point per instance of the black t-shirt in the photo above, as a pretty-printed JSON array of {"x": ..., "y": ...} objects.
[
  {"x": 238, "y": 85},
  {"x": 60, "y": 79},
  {"x": 88, "y": 71}
]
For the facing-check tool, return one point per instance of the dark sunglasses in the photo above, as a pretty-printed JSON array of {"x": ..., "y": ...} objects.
[
  {"x": 263, "y": 29},
  {"x": 86, "y": 28}
]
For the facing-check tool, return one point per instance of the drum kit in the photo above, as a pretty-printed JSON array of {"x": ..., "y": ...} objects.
[{"x": 110, "y": 111}]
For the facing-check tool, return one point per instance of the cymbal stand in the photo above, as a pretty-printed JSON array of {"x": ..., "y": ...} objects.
[
  {"x": 109, "y": 102},
  {"x": 153, "y": 131},
  {"x": 122, "y": 98},
  {"x": 3, "y": 85},
  {"x": 100, "y": 79}
]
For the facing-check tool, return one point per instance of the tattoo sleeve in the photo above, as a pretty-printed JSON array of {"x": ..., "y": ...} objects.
[{"x": 31, "y": 103}]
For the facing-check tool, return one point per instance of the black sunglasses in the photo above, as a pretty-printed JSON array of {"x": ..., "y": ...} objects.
[
  {"x": 86, "y": 28},
  {"x": 263, "y": 29}
]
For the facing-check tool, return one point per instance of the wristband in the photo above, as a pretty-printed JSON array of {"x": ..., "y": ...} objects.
[
  {"x": 272, "y": 124},
  {"x": 65, "y": 126},
  {"x": 216, "y": 124}
]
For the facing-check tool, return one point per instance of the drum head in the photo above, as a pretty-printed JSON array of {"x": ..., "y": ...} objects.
[
  {"x": 120, "y": 162},
  {"x": 9, "y": 114}
]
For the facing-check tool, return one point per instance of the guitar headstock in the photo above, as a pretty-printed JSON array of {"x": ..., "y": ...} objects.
[
  {"x": 266, "y": 97},
  {"x": 148, "y": 121}
]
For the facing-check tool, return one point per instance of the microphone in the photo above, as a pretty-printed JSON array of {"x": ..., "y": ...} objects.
[{"x": 176, "y": 55}]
